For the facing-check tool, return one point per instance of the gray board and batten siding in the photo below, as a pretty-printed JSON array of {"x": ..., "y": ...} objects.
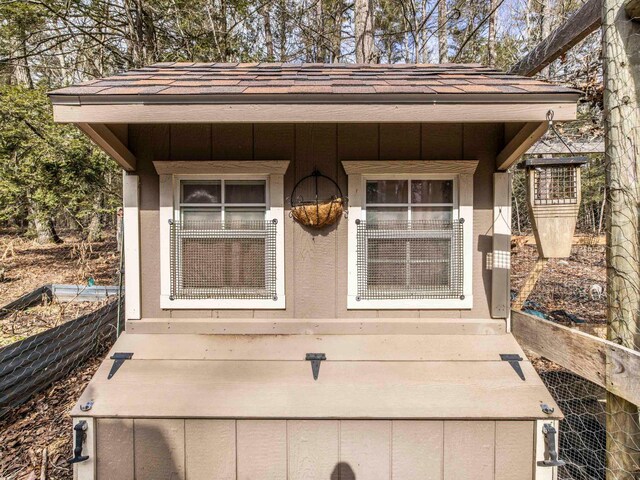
[{"x": 316, "y": 261}]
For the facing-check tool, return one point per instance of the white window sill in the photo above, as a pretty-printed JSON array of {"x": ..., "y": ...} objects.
[
  {"x": 223, "y": 304},
  {"x": 404, "y": 304}
]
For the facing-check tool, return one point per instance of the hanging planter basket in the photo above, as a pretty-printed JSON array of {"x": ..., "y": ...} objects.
[{"x": 313, "y": 211}]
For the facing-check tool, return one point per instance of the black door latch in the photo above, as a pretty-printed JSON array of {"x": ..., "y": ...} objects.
[
  {"x": 80, "y": 430},
  {"x": 315, "y": 359},
  {"x": 550, "y": 450}
]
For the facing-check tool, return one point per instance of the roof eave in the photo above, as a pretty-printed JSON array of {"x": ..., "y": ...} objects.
[
  {"x": 294, "y": 98},
  {"x": 306, "y": 109}
]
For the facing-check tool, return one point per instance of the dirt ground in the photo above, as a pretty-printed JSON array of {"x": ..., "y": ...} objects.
[
  {"x": 44, "y": 423},
  {"x": 27, "y": 265},
  {"x": 565, "y": 286}
]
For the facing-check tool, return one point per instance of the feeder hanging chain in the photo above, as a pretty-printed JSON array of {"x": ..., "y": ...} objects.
[{"x": 557, "y": 134}]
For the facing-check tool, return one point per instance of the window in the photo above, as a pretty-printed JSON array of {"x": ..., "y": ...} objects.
[
  {"x": 223, "y": 245},
  {"x": 409, "y": 244}
]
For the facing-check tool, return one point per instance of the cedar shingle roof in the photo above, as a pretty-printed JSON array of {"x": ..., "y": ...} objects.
[{"x": 212, "y": 79}]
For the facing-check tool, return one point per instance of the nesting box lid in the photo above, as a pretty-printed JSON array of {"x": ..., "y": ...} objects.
[
  {"x": 553, "y": 162},
  {"x": 358, "y": 376}
]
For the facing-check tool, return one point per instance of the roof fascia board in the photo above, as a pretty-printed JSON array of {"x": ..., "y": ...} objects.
[
  {"x": 323, "y": 113},
  {"x": 280, "y": 99}
]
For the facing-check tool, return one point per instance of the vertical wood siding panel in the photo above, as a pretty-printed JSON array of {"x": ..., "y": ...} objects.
[
  {"x": 365, "y": 448},
  {"x": 114, "y": 455},
  {"x": 159, "y": 449},
  {"x": 481, "y": 142},
  {"x": 314, "y": 250},
  {"x": 442, "y": 141},
  {"x": 232, "y": 141},
  {"x": 400, "y": 141},
  {"x": 355, "y": 142},
  {"x": 514, "y": 450},
  {"x": 190, "y": 142},
  {"x": 417, "y": 450},
  {"x": 148, "y": 143},
  {"x": 469, "y": 450},
  {"x": 313, "y": 449},
  {"x": 210, "y": 449},
  {"x": 262, "y": 449}
]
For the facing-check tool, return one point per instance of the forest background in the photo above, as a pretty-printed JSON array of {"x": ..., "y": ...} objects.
[{"x": 54, "y": 181}]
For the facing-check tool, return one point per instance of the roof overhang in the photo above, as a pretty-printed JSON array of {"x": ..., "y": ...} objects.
[{"x": 308, "y": 108}]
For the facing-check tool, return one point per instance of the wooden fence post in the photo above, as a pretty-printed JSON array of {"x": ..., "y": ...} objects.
[{"x": 623, "y": 252}]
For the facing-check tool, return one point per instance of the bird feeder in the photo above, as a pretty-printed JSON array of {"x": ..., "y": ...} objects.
[{"x": 553, "y": 196}]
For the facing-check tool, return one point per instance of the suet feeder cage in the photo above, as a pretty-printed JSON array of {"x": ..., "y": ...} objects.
[
  {"x": 317, "y": 201},
  {"x": 553, "y": 196}
]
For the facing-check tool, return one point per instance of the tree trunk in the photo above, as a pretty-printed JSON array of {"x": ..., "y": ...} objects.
[
  {"x": 443, "y": 32},
  {"x": 622, "y": 157},
  {"x": 95, "y": 225},
  {"x": 282, "y": 13},
  {"x": 42, "y": 226},
  {"x": 268, "y": 36},
  {"x": 364, "y": 31},
  {"x": 491, "y": 40}
]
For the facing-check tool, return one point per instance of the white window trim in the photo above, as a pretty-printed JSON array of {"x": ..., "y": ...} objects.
[
  {"x": 463, "y": 208},
  {"x": 169, "y": 210}
]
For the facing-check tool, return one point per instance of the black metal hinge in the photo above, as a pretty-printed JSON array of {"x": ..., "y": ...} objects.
[
  {"x": 118, "y": 359},
  {"x": 315, "y": 359},
  {"x": 514, "y": 360}
]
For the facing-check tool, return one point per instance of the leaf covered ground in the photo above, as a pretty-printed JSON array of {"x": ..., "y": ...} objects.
[{"x": 44, "y": 423}]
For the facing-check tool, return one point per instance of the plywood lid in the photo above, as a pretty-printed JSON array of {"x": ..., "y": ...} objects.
[{"x": 266, "y": 376}]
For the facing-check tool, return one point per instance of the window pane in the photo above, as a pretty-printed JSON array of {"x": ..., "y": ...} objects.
[
  {"x": 242, "y": 214},
  {"x": 419, "y": 214},
  {"x": 432, "y": 191},
  {"x": 196, "y": 216},
  {"x": 381, "y": 214},
  {"x": 244, "y": 191},
  {"x": 387, "y": 191},
  {"x": 195, "y": 191}
]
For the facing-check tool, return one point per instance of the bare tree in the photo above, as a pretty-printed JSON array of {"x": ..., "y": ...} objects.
[
  {"x": 443, "y": 32},
  {"x": 364, "y": 31}
]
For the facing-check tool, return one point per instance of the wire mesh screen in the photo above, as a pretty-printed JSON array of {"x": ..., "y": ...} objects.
[
  {"x": 583, "y": 431},
  {"x": 409, "y": 260},
  {"x": 232, "y": 260},
  {"x": 555, "y": 185}
]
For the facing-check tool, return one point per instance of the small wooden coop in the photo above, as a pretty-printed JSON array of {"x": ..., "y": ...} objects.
[{"x": 317, "y": 274}]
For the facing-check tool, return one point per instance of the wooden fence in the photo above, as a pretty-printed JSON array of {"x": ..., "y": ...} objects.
[
  {"x": 605, "y": 363},
  {"x": 32, "y": 364}
]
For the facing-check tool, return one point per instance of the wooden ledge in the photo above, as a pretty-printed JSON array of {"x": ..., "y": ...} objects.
[{"x": 340, "y": 326}]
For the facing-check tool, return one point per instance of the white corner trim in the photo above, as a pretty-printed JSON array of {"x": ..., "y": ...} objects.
[
  {"x": 131, "y": 223},
  {"x": 275, "y": 211},
  {"x": 409, "y": 167},
  {"x": 222, "y": 167}
]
